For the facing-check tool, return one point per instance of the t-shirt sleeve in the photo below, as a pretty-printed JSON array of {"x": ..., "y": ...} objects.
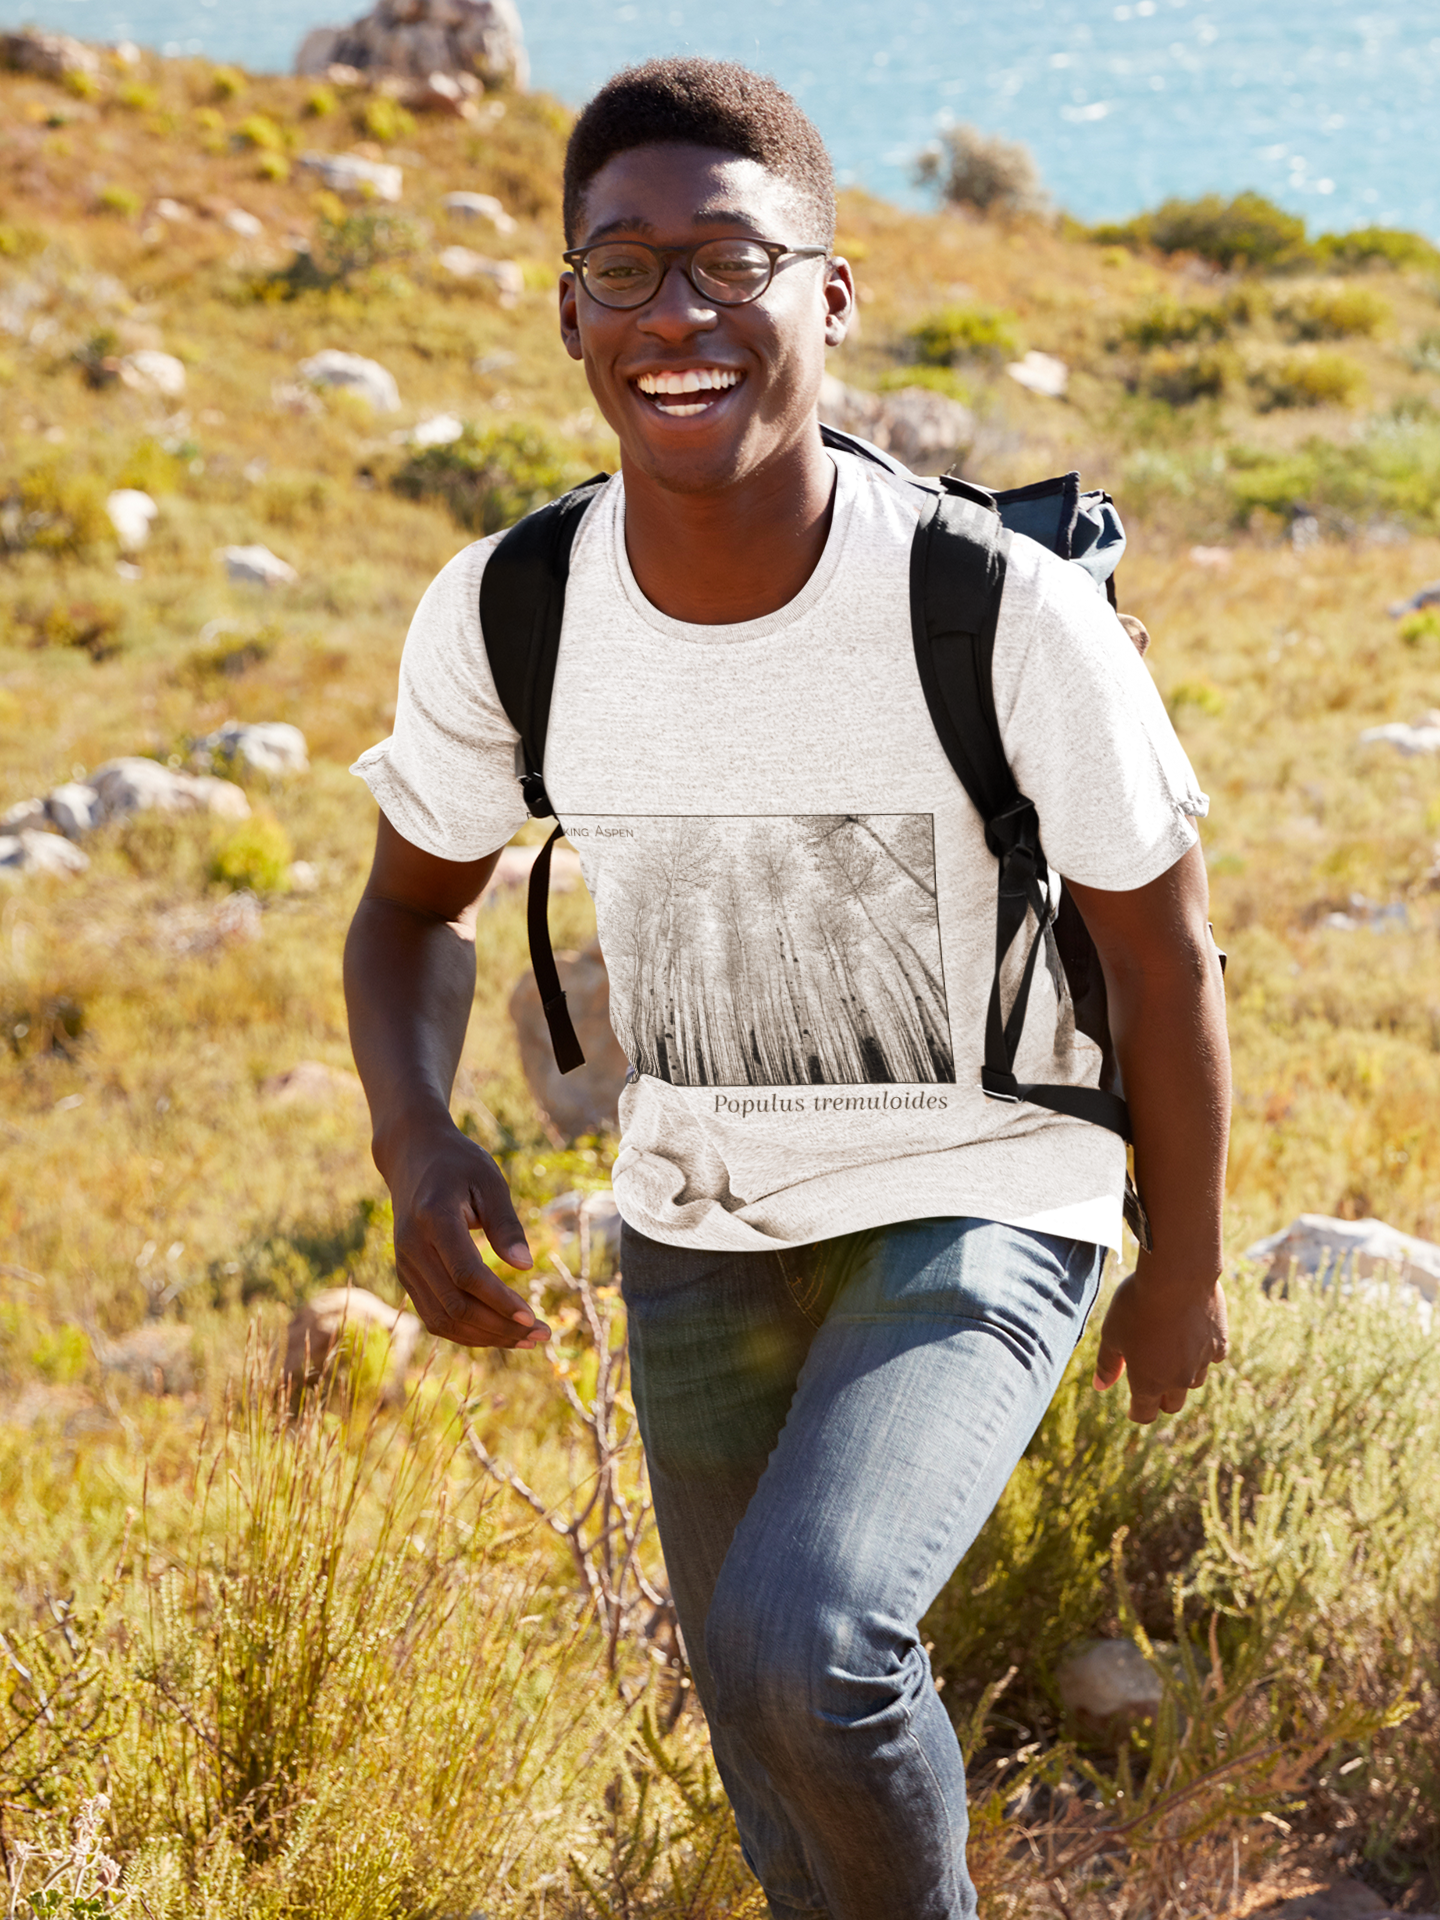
[
  {"x": 1086, "y": 732},
  {"x": 446, "y": 777}
]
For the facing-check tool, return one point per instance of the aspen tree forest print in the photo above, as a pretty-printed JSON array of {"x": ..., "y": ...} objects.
[{"x": 776, "y": 951}]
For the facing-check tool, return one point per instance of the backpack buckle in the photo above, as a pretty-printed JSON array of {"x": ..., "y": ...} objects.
[
  {"x": 1000, "y": 1086},
  {"x": 532, "y": 785}
]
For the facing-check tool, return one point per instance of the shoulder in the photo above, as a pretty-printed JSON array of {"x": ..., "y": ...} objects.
[{"x": 1052, "y": 613}]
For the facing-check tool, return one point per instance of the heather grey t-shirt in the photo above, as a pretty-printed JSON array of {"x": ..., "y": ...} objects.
[{"x": 792, "y": 888}]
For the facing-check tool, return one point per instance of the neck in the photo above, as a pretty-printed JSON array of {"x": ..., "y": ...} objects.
[{"x": 736, "y": 552}]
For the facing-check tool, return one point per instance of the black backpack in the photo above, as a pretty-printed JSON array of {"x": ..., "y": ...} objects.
[{"x": 957, "y": 574}]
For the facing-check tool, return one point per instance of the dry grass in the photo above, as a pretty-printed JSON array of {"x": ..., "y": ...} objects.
[{"x": 141, "y": 1014}]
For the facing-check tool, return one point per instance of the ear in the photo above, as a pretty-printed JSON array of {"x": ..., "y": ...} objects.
[
  {"x": 840, "y": 300},
  {"x": 570, "y": 317}
]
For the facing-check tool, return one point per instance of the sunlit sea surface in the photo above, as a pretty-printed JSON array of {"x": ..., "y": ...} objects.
[{"x": 1329, "y": 107}]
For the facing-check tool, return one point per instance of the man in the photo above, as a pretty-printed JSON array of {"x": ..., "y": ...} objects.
[{"x": 853, "y": 1282}]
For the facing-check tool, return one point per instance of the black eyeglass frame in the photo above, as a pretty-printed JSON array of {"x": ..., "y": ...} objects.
[{"x": 774, "y": 250}]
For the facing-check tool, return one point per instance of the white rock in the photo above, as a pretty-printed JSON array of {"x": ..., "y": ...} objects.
[
  {"x": 480, "y": 206},
  {"x": 920, "y": 427},
  {"x": 73, "y": 808},
  {"x": 136, "y": 785},
  {"x": 600, "y": 1213},
  {"x": 1422, "y": 737},
  {"x": 1426, "y": 597},
  {"x": 1217, "y": 558},
  {"x": 131, "y": 512},
  {"x": 465, "y": 264},
  {"x": 150, "y": 371},
  {"x": 1041, "y": 373},
  {"x": 170, "y": 210},
  {"x": 1347, "y": 1250},
  {"x": 243, "y": 223},
  {"x": 54, "y": 56},
  {"x": 1109, "y": 1685},
  {"x": 334, "y": 368},
  {"x": 26, "y": 816},
  {"x": 351, "y": 173},
  {"x": 32, "y": 852},
  {"x": 315, "y": 1333},
  {"x": 435, "y": 430},
  {"x": 267, "y": 746},
  {"x": 257, "y": 566}
]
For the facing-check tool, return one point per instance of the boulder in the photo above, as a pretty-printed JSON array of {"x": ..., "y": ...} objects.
[
  {"x": 600, "y": 1214},
  {"x": 257, "y": 566},
  {"x": 131, "y": 512},
  {"x": 1422, "y": 736},
  {"x": 243, "y": 223},
  {"x": 53, "y": 56},
  {"x": 312, "y": 1083},
  {"x": 26, "y": 816},
  {"x": 267, "y": 746},
  {"x": 1426, "y": 597},
  {"x": 1108, "y": 1686},
  {"x": 1041, "y": 373},
  {"x": 443, "y": 93},
  {"x": 435, "y": 430},
  {"x": 150, "y": 371},
  {"x": 1216, "y": 558},
  {"x": 314, "y": 1338},
  {"x": 587, "y": 1100},
  {"x": 423, "y": 37},
  {"x": 1342, "y": 1899},
  {"x": 158, "y": 1357},
  {"x": 1349, "y": 1250},
  {"x": 353, "y": 174},
  {"x": 507, "y": 275},
  {"x": 73, "y": 809},
  {"x": 32, "y": 852},
  {"x": 480, "y": 206},
  {"x": 921, "y": 428},
  {"x": 335, "y": 368},
  {"x": 136, "y": 785}
]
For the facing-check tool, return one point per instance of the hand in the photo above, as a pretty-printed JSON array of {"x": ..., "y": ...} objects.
[
  {"x": 443, "y": 1186},
  {"x": 1167, "y": 1334}
]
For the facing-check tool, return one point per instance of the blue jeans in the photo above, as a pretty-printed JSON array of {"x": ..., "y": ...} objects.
[{"x": 827, "y": 1430}]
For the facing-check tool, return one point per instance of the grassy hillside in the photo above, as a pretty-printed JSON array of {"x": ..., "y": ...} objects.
[{"x": 1286, "y": 424}]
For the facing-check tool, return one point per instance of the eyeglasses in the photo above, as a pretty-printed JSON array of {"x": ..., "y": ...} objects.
[{"x": 627, "y": 273}]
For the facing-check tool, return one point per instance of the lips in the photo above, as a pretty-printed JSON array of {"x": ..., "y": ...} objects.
[{"x": 687, "y": 391}]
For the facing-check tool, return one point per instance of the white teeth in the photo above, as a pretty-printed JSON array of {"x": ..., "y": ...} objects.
[
  {"x": 698, "y": 406},
  {"x": 693, "y": 380}
]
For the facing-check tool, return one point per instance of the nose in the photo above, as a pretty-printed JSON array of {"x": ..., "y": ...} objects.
[{"x": 676, "y": 311}]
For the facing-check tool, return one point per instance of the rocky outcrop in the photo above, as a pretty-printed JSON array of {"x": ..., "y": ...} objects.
[
  {"x": 54, "y": 56},
  {"x": 261, "y": 746},
  {"x": 257, "y": 566},
  {"x": 32, "y": 852},
  {"x": 314, "y": 1340},
  {"x": 924, "y": 430},
  {"x": 355, "y": 175},
  {"x": 421, "y": 37},
  {"x": 587, "y": 1100},
  {"x": 1350, "y": 1251},
  {"x": 333, "y": 367},
  {"x": 136, "y": 785}
]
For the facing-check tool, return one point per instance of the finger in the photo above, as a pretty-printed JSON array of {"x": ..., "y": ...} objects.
[
  {"x": 449, "y": 1316},
  {"x": 1172, "y": 1402},
  {"x": 1144, "y": 1408},
  {"x": 490, "y": 1208},
  {"x": 463, "y": 1266},
  {"x": 1200, "y": 1377},
  {"x": 1109, "y": 1365}
]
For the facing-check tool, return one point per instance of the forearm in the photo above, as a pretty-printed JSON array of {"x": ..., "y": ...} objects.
[
  {"x": 409, "y": 985},
  {"x": 1167, "y": 1018}
]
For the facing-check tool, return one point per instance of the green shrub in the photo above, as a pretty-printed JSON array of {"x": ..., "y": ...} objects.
[
  {"x": 1393, "y": 469},
  {"x": 981, "y": 170},
  {"x": 1426, "y": 356},
  {"x": 61, "y": 1355},
  {"x": 93, "y": 629},
  {"x": 955, "y": 333},
  {"x": 254, "y": 854},
  {"x": 259, "y": 130},
  {"x": 227, "y": 83},
  {"x": 489, "y": 478},
  {"x": 1333, "y": 313},
  {"x": 122, "y": 200},
  {"x": 1417, "y": 628},
  {"x": 1375, "y": 246},
  {"x": 272, "y": 166},
  {"x": 1306, "y": 379},
  {"x": 937, "y": 379},
  {"x": 1170, "y": 323},
  {"x": 1181, "y": 378},
  {"x": 48, "y": 511},
  {"x": 346, "y": 247},
  {"x": 319, "y": 102},
  {"x": 137, "y": 96},
  {"x": 386, "y": 120},
  {"x": 1248, "y": 231}
]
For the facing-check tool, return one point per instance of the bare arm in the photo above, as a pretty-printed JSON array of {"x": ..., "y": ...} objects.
[
  {"x": 409, "y": 984},
  {"x": 1166, "y": 1323}
]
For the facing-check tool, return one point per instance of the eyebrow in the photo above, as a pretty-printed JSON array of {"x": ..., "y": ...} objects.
[{"x": 719, "y": 217}]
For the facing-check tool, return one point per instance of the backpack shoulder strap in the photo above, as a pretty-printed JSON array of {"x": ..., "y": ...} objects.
[
  {"x": 957, "y": 578},
  {"x": 522, "y": 610}
]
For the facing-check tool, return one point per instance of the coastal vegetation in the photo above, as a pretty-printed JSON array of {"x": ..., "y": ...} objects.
[{"x": 341, "y": 1665}]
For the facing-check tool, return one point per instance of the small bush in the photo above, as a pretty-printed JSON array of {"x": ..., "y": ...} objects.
[
  {"x": 1377, "y": 247},
  {"x": 61, "y": 1355},
  {"x": 259, "y": 130},
  {"x": 1203, "y": 695},
  {"x": 319, "y": 102},
  {"x": 489, "y": 479},
  {"x": 272, "y": 166},
  {"x": 1307, "y": 379},
  {"x": 346, "y": 247},
  {"x": 956, "y": 333},
  {"x": 255, "y": 855},
  {"x": 90, "y": 628},
  {"x": 1418, "y": 628},
  {"x": 47, "y": 511},
  {"x": 84, "y": 86},
  {"x": 1248, "y": 231},
  {"x": 1426, "y": 356},
  {"x": 1333, "y": 313},
  {"x": 122, "y": 200},
  {"x": 227, "y": 83},
  {"x": 981, "y": 170},
  {"x": 138, "y": 97},
  {"x": 385, "y": 120},
  {"x": 1179, "y": 379},
  {"x": 1171, "y": 323},
  {"x": 937, "y": 379}
]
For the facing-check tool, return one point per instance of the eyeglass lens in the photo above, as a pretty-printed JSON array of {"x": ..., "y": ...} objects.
[{"x": 623, "y": 274}]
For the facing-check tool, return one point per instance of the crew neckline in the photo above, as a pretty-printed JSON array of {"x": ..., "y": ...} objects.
[{"x": 736, "y": 632}]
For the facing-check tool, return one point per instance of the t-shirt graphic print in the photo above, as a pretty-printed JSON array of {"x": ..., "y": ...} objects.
[
  {"x": 792, "y": 889},
  {"x": 772, "y": 950}
]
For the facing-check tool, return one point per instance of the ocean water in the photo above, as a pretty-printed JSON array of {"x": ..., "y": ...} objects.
[{"x": 1328, "y": 106}]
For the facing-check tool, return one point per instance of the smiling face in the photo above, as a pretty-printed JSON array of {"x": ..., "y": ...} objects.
[{"x": 703, "y": 395}]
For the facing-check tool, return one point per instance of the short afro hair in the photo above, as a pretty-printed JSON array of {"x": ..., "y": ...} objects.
[{"x": 702, "y": 103}]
